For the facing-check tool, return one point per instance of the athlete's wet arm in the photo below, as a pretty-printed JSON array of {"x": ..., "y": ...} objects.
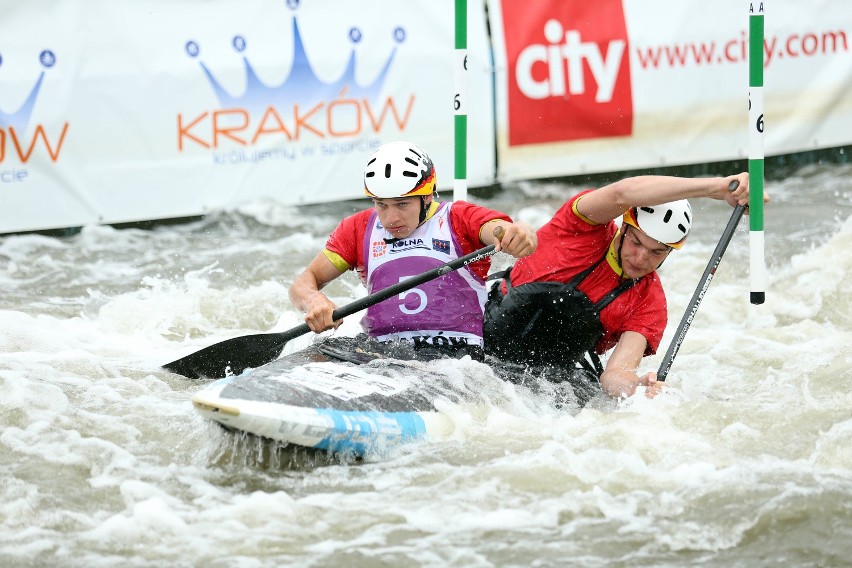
[
  {"x": 619, "y": 379},
  {"x": 306, "y": 296},
  {"x": 518, "y": 239},
  {"x": 608, "y": 202}
]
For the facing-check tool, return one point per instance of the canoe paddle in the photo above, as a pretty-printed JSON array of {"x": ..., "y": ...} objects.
[
  {"x": 233, "y": 356},
  {"x": 703, "y": 284}
]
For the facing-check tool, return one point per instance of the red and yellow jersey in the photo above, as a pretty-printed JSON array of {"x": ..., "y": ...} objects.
[
  {"x": 345, "y": 246},
  {"x": 567, "y": 245}
]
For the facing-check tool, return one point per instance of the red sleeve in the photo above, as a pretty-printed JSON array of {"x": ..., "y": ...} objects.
[
  {"x": 650, "y": 320},
  {"x": 467, "y": 219},
  {"x": 642, "y": 309},
  {"x": 347, "y": 240},
  {"x": 567, "y": 245}
]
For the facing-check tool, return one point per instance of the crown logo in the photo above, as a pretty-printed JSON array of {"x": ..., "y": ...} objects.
[
  {"x": 20, "y": 119},
  {"x": 302, "y": 86}
]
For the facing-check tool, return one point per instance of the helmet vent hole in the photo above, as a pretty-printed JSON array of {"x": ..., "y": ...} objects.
[
  {"x": 387, "y": 170},
  {"x": 410, "y": 161},
  {"x": 682, "y": 228},
  {"x": 647, "y": 209},
  {"x": 668, "y": 216},
  {"x": 409, "y": 174},
  {"x": 370, "y": 174}
]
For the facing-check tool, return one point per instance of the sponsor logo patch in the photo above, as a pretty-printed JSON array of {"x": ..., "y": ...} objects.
[
  {"x": 438, "y": 341},
  {"x": 569, "y": 70},
  {"x": 441, "y": 246},
  {"x": 379, "y": 248},
  {"x": 408, "y": 244}
]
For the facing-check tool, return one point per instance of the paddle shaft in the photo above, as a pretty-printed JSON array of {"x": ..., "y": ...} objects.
[
  {"x": 703, "y": 284},
  {"x": 390, "y": 291},
  {"x": 410, "y": 283},
  {"x": 233, "y": 356}
]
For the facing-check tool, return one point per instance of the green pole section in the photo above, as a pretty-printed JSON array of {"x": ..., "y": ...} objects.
[
  {"x": 757, "y": 264},
  {"x": 460, "y": 104}
]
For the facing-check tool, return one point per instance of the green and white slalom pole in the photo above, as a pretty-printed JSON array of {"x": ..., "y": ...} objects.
[
  {"x": 460, "y": 103},
  {"x": 757, "y": 266}
]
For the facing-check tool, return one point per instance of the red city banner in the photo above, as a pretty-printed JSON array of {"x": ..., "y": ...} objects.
[{"x": 568, "y": 70}]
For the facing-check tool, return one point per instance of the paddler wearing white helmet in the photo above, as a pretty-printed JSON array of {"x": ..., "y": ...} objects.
[
  {"x": 406, "y": 233},
  {"x": 592, "y": 288}
]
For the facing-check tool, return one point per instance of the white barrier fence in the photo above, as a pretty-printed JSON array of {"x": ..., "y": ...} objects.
[{"x": 116, "y": 111}]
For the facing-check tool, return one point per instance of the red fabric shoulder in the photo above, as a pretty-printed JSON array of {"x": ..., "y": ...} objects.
[
  {"x": 347, "y": 240},
  {"x": 467, "y": 219},
  {"x": 567, "y": 245},
  {"x": 641, "y": 309}
]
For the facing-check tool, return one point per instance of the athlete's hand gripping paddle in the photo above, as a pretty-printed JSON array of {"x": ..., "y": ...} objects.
[
  {"x": 233, "y": 356},
  {"x": 703, "y": 284}
]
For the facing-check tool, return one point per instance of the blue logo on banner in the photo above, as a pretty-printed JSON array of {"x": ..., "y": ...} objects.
[
  {"x": 20, "y": 118},
  {"x": 302, "y": 86}
]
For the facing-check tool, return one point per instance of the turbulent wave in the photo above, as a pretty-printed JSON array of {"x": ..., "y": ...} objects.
[{"x": 744, "y": 462}]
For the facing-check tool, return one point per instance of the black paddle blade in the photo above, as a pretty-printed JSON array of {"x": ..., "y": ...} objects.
[
  {"x": 229, "y": 357},
  {"x": 233, "y": 356}
]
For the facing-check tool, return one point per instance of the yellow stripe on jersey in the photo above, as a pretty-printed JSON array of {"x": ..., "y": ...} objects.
[
  {"x": 580, "y": 215},
  {"x": 336, "y": 260}
]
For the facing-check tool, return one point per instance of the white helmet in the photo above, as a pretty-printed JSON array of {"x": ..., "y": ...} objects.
[
  {"x": 399, "y": 169},
  {"x": 668, "y": 223}
]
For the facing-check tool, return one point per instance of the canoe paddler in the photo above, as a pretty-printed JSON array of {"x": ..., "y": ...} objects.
[
  {"x": 406, "y": 232},
  {"x": 592, "y": 285}
]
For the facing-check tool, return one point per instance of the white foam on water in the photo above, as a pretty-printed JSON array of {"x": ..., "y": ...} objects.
[{"x": 744, "y": 460}]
